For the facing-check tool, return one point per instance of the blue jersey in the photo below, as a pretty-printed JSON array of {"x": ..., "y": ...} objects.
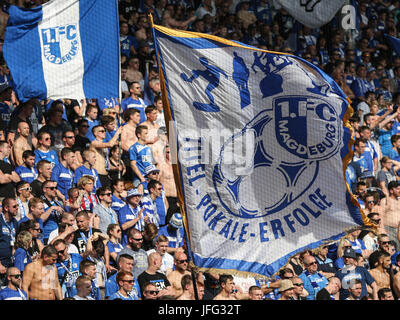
[
  {"x": 64, "y": 177},
  {"x": 161, "y": 210},
  {"x": 175, "y": 236},
  {"x": 68, "y": 272},
  {"x": 126, "y": 43},
  {"x": 114, "y": 247},
  {"x": 348, "y": 276},
  {"x": 385, "y": 142},
  {"x": 313, "y": 283},
  {"x": 7, "y": 239},
  {"x": 52, "y": 221},
  {"x": 117, "y": 204},
  {"x": 21, "y": 258},
  {"x": 50, "y": 155},
  {"x": 127, "y": 213},
  {"x": 139, "y": 104},
  {"x": 142, "y": 155},
  {"x": 111, "y": 287},
  {"x": 83, "y": 171},
  {"x": 10, "y": 294},
  {"x": 26, "y": 174}
]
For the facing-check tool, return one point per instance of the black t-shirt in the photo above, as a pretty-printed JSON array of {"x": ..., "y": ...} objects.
[
  {"x": 80, "y": 238},
  {"x": 7, "y": 189},
  {"x": 158, "y": 279}
]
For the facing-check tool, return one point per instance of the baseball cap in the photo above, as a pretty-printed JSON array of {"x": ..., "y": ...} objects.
[
  {"x": 349, "y": 253},
  {"x": 133, "y": 192},
  {"x": 150, "y": 169},
  {"x": 176, "y": 220}
]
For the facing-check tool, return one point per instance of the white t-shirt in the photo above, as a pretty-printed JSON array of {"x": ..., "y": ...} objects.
[{"x": 80, "y": 298}]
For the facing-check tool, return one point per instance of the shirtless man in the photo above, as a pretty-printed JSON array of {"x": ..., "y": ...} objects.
[
  {"x": 381, "y": 272},
  {"x": 391, "y": 216},
  {"x": 187, "y": 287},
  {"x": 175, "y": 277},
  {"x": 167, "y": 179},
  {"x": 21, "y": 143},
  {"x": 158, "y": 147},
  {"x": 101, "y": 149},
  {"x": 152, "y": 126},
  {"x": 40, "y": 279},
  {"x": 128, "y": 136},
  {"x": 227, "y": 288}
]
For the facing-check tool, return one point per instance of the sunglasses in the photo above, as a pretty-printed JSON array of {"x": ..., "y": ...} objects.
[
  {"x": 385, "y": 242},
  {"x": 107, "y": 194},
  {"x": 38, "y": 229},
  {"x": 311, "y": 263},
  {"x": 119, "y": 230},
  {"x": 51, "y": 188},
  {"x": 102, "y": 131},
  {"x": 61, "y": 251},
  {"x": 47, "y": 139},
  {"x": 129, "y": 281},
  {"x": 152, "y": 291},
  {"x": 71, "y": 137},
  {"x": 16, "y": 276},
  {"x": 376, "y": 221},
  {"x": 140, "y": 239},
  {"x": 298, "y": 284},
  {"x": 27, "y": 189},
  {"x": 182, "y": 261}
]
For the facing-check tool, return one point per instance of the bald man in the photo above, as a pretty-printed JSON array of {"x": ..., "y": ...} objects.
[
  {"x": 21, "y": 143},
  {"x": 181, "y": 269},
  {"x": 152, "y": 275}
]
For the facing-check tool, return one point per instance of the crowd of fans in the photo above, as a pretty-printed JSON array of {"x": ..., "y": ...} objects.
[{"x": 89, "y": 203}]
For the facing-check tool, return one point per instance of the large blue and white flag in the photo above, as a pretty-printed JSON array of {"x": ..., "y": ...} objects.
[
  {"x": 262, "y": 147},
  {"x": 64, "y": 49}
]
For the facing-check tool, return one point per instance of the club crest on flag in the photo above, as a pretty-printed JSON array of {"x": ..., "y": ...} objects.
[{"x": 60, "y": 44}]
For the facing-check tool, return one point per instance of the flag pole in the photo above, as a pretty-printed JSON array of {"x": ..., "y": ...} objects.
[{"x": 119, "y": 104}]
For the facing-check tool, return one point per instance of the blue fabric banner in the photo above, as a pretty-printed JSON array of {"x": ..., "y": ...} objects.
[
  {"x": 262, "y": 146},
  {"x": 64, "y": 49}
]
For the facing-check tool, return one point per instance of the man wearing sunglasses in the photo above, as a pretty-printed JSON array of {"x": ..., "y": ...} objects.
[
  {"x": 125, "y": 282},
  {"x": 150, "y": 291},
  {"x": 67, "y": 268},
  {"x": 181, "y": 269},
  {"x": 106, "y": 214},
  {"x": 13, "y": 291},
  {"x": 312, "y": 279},
  {"x": 148, "y": 202},
  {"x": 125, "y": 263},
  {"x": 52, "y": 204},
  {"x": 8, "y": 231},
  {"x": 63, "y": 172},
  {"x": 23, "y": 195}
]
